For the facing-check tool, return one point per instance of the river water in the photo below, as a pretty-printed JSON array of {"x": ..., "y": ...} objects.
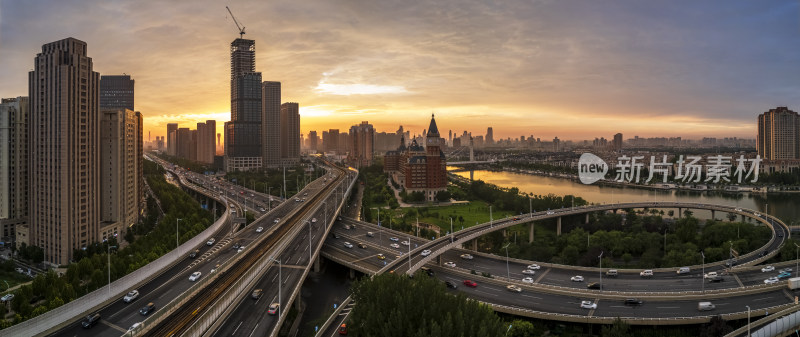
[{"x": 785, "y": 206}]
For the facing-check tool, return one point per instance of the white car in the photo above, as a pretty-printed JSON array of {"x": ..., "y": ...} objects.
[
  {"x": 276, "y": 220},
  {"x": 711, "y": 274},
  {"x": 259, "y": 229},
  {"x": 405, "y": 243},
  {"x": 534, "y": 266},
  {"x": 466, "y": 257},
  {"x": 394, "y": 245},
  {"x": 528, "y": 280},
  {"x": 528, "y": 272},
  {"x": 7, "y": 297},
  {"x": 576, "y": 278},
  {"x": 450, "y": 264},
  {"x": 646, "y": 273},
  {"x": 132, "y": 295},
  {"x": 348, "y": 245},
  {"x": 195, "y": 276},
  {"x": 588, "y": 305},
  {"x": 313, "y": 220},
  {"x": 767, "y": 269},
  {"x": 240, "y": 249},
  {"x": 514, "y": 288},
  {"x": 210, "y": 242},
  {"x": 425, "y": 252},
  {"x": 550, "y": 212},
  {"x": 394, "y": 239},
  {"x": 771, "y": 280}
]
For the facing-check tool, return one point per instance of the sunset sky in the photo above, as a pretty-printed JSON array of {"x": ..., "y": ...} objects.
[{"x": 571, "y": 69}]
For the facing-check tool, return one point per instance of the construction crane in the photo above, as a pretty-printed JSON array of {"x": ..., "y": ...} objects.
[{"x": 241, "y": 29}]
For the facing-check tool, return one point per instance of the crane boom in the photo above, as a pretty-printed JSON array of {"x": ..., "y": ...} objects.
[{"x": 241, "y": 28}]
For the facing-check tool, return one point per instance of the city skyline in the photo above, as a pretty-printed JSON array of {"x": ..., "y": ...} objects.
[{"x": 524, "y": 69}]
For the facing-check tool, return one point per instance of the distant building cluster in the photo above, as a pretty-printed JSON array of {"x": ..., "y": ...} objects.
[
  {"x": 72, "y": 155},
  {"x": 196, "y": 145},
  {"x": 778, "y": 140},
  {"x": 419, "y": 168}
]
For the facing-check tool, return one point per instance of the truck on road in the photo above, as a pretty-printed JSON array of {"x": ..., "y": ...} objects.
[{"x": 794, "y": 283}]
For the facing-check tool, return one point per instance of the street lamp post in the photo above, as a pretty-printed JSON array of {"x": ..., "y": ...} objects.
[
  {"x": 796, "y": 259},
  {"x": 280, "y": 280},
  {"x": 269, "y": 193},
  {"x": 508, "y": 271},
  {"x": 665, "y": 241},
  {"x": 703, "y": 277},
  {"x": 748, "y": 320},
  {"x": 409, "y": 253},
  {"x": 109, "y": 268},
  {"x": 451, "y": 230},
  {"x": 601, "y": 270},
  {"x": 490, "y": 216},
  {"x": 309, "y": 242},
  {"x": 176, "y": 232}
]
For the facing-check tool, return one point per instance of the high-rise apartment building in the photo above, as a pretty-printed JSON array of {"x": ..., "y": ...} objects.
[
  {"x": 271, "y": 123},
  {"x": 187, "y": 144},
  {"x": 331, "y": 142},
  {"x": 489, "y": 136},
  {"x": 363, "y": 144},
  {"x": 243, "y": 132},
  {"x": 116, "y": 92},
  {"x": 290, "y": 134},
  {"x": 64, "y": 164},
  {"x": 313, "y": 139},
  {"x": 14, "y": 113},
  {"x": 617, "y": 142},
  {"x": 778, "y": 132},
  {"x": 120, "y": 184},
  {"x": 172, "y": 140},
  {"x": 205, "y": 141}
]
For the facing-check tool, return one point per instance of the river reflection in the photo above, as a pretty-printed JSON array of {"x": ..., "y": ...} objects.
[{"x": 783, "y": 205}]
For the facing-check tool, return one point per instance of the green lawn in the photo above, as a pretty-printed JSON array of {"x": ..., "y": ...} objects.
[
  {"x": 472, "y": 213},
  {"x": 13, "y": 278}
]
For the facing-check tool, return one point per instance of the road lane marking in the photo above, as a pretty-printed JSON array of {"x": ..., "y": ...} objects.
[
  {"x": 536, "y": 297},
  {"x": 667, "y": 307},
  {"x": 762, "y": 299},
  {"x": 254, "y": 330},
  {"x": 113, "y": 326},
  {"x": 542, "y": 275},
  {"x": 237, "y": 328},
  {"x": 736, "y": 277},
  {"x": 488, "y": 294}
]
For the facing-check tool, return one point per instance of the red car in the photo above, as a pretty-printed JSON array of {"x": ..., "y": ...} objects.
[
  {"x": 343, "y": 329},
  {"x": 470, "y": 283}
]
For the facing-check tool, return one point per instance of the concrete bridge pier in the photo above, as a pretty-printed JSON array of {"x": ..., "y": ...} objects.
[
  {"x": 614, "y": 210},
  {"x": 298, "y": 304},
  {"x": 587, "y": 219},
  {"x": 471, "y": 175},
  {"x": 530, "y": 232},
  {"x": 558, "y": 226},
  {"x": 742, "y": 217},
  {"x": 316, "y": 264},
  {"x": 712, "y": 215},
  {"x": 680, "y": 212},
  {"x": 505, "y": 233},
  {"x": 352, "y": 273},
  {"x": 439, "y": 260},
  {"x": 475, "y": 244}
]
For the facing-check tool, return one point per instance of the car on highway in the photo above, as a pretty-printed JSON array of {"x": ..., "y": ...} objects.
[
  {"x": 450, "y": 285},
  {"x": 241, "y": 249},
  {"x": 593, "y": 285},
  {"x": 588, "y": 305},
  {"x": 528, "y": 280},
  {"x": 466, "y": 257},
  {"x": 771, "y": 280},
  {"x": 210, "y": 242},
  {"x": 215, "y": 268},
  {"x": 259, "y": 229},
  {"x": 257, "y": 294},
  {"x": 632, "y": 301},
  {"x": 784, "y": 274},
  {"x": 194, "y": 253},
  {"x": 362, "y": 245},
  {"x": 130, "y": 296},
  {"x": 381, "y": 257},
  {"x": 394, "y": 245},
  {"x": 236, "y": 245},
  {"x": 450, "y": 264},
  {"x": 348, "y": 244},
  {"x": 683, "y": 270},
  {"x": 147, "y": 309},
  {"x": 195, "y": 276},
  {"x": 262, "y": 209},
  {"x": 470, "y": 283},
  {"x": 371, "y": 234},
  {"x": 767, "y": 269},
  {"x": 534, "y": 266},
  {"x": 90, "y": 320},
  {"x": 788, "y": 270},
  {"x": 550, "y": 212},
  {"x": 343, "y": 329},
  {"x": 277, "y": 220},
  {"x": 716, "y": 279},
  {"x": 425, "y": 252},
  {"x": 19, "y": 270},
  {"x": 514, "y": 288},
  {"x": 394, "y": 239},
  {"x": 7, "y": 297},
  {"x": 297, "y": 199},
  {"x": 646, "y": 273},
  {"x": 313, "y": 220},
  {"x": 529, "y": 272},
  {"x": 273, "y": 308},
  {"x": 405, "y": 243},
  {"x": 576, "y": 278},
  {"x": 710, "y": 274},
  {"x": 612, "y": 273}
]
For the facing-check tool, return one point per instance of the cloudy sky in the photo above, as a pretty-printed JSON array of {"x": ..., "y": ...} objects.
[{"x": 550, "y": 68}]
